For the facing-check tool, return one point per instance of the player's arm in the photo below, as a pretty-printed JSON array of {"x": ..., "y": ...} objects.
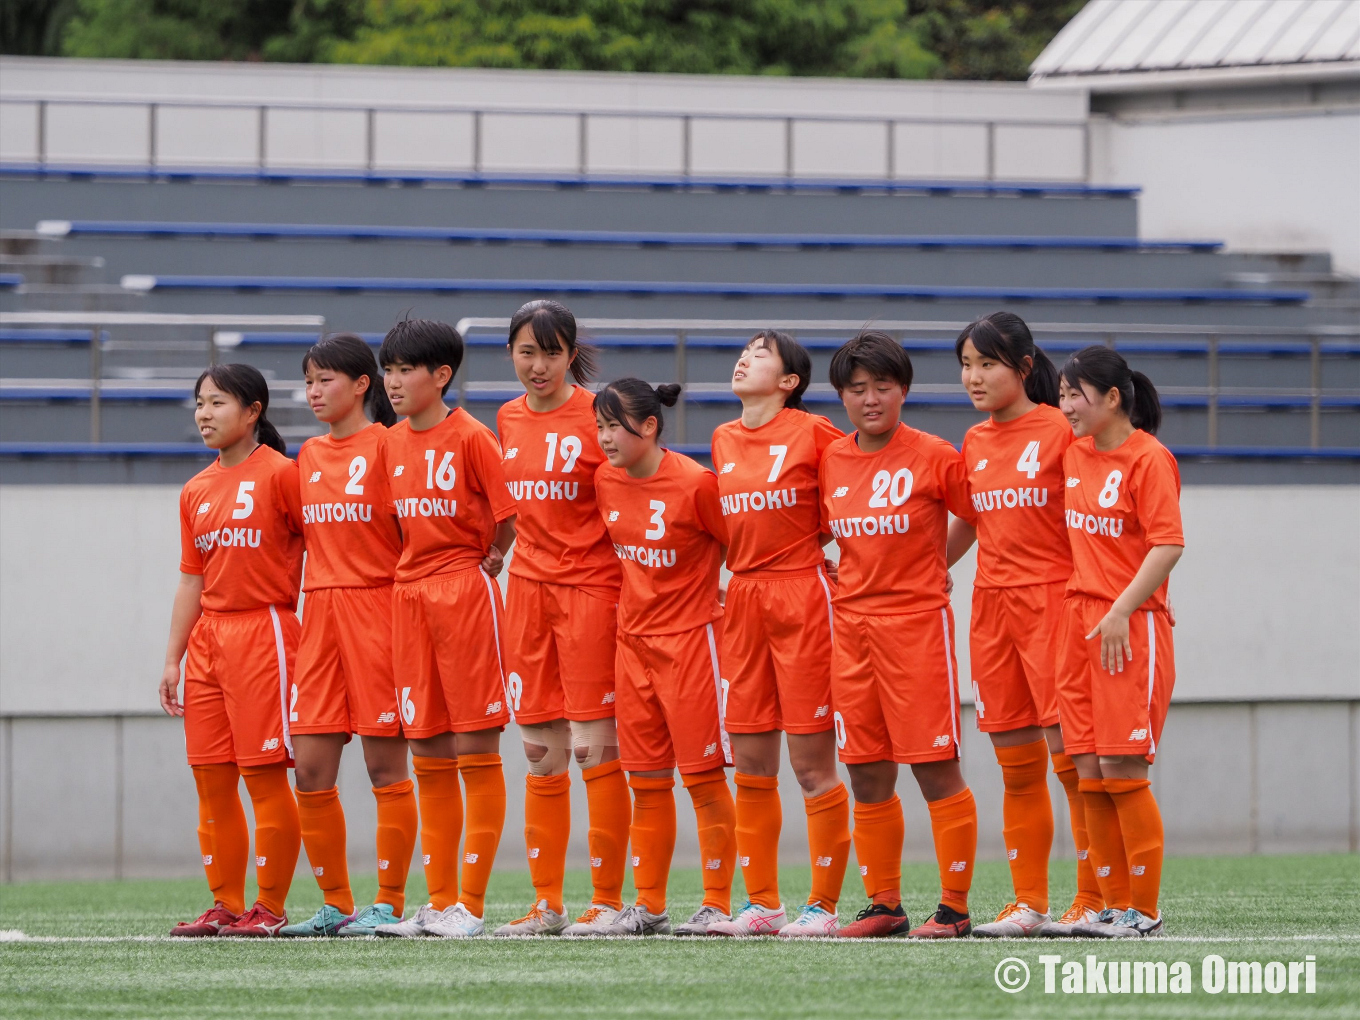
[
  {"x": 962, "y": 535},
  {"x": 185, "y": 613},
  {"x": 1113, "y": 629},
  {"x": 500, "y": 545}
]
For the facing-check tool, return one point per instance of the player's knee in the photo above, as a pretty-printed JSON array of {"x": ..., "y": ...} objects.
[
  {"x": 547, "y": 746},
  {"x": 592, "y": 740}
]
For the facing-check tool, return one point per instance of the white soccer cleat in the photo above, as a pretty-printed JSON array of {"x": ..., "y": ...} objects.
[
  {"x": 456, "y": 922},
  {"x": 750, "y": 920},
  {"x": 1016, "y": 921},
  {"x": 635, "y": 920},
  {"x": 593, "y": 921},
  {"x": 1074, "y": 915},
  {"x": 702, "y": 920},
  {"x": 1101, "y": 928},
  {"x": 411, "y": 928},
  {"x": 540, "y": 920},
  {"x": 812, "y": 922},
  {"x": 1133, "y": 924}
]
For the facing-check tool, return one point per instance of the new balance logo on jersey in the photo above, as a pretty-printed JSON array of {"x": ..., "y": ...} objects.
[
  {"x": 608, "y": 699},
  {"x": 770, "y": 499},
  {"x": 941, "y": 741},
  {"x": 995, "y": 499},
  {"x": 512, "y": 453},
  {"x": 387, "y": 717},
  {"x": 713, "y": 864},
  {"x": 710, "y": 749},
  {"x": 613, "y": 516},
  {"x": 316, "y": 477},
  {"x": 1072, "y": 483},
  {"x": 981, "y": 464},
  {"x": 958, "y": 865},
  {"x": 1012, "y": 854},
  {"x": 398, "y": 470},
  {"x": 493, "y": 708},
  {"x": 823, "y": 862},
  {"x": 822, "y": 712},
  {"x": 728, "y": 468},
  {"x": 840, "y": 492},
  {"x": 272, "y": 744},
  {"x": 470, "y": 858},
  {"x": 1138, "y": 735},
  {"x": 533, "y": 853},
  {"x": 203, "y": 507}
]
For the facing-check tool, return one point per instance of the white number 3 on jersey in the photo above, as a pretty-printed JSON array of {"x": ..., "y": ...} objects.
[
  {"x": 1029, "y": 460},
  {"x": 658, "y": 528}
]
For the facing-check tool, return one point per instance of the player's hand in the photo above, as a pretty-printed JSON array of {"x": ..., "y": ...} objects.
[
  {"x": 170, "y": 690},
  {"x": 948, "y": 583},
  {"x": 493, "y": 562},
  {"x": 722, "y": 596},
  {"x": 833, "y": 570},
  {"x": 1115, "y": 649}
]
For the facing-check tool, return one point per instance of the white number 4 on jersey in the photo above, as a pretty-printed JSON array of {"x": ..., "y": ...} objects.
[{"x": 1029, "y": 460}]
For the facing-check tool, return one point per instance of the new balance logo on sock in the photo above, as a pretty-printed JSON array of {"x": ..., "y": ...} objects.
[
  {"x": 941, "y": 741},
  {"x": 533, "y": 853},
  {"x": 1012, "y": 854},
  {"x": 383, "y": 865},
  {"x": 863, "y": 870},
  {"x": 1103, "y": 872},
  {"x": 713, "y": 864},
  {"x": 1083, "y": 854},
  {"x": 958, "y": 865},
  {"x": 710, "y": 749},
  {"x": 424, "y": 858},
  {"x": 207, "y": 860},
  {"x": 1138, "y": 735},
  {"x": 318, "y": 872},
  {"x": 745, "y": 862},
  {"x": 636, "y": 861},
  {"x": 823, "y": 862},
  {"x": 597, "y": 862},
  {"x": 1137, "y": 869},
  {"x": 469, "y": 858},
  {"x": 260, "y": 862}
]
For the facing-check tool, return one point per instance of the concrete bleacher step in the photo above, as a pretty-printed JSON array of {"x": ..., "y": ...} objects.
[{"x": 67, "y": 268}]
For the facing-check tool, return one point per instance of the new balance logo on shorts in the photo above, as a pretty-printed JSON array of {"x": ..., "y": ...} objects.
[
  {"x": 840, "y": 492},
  {"x": 941, "y": 741},
  {"x": 958, "y": 865},
  {"x": 272, "y": 744},
  {"x": 710, "y": 749},
  {"x": 823, "y": 862},
  {"x": 608, "y": 699},
  {"x": 1138, "y": 735},
  {"x": 316, "y": 477},
  {"x": 493, "y": 708},
  {"x": 387, "y": 717},
  {"x": 713, "y": 864},
  {"x": 470, "y": 858},
  {"x": 822, "y": 712}
]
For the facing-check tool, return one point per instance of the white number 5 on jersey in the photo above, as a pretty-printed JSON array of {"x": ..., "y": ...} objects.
[
  {"x": 245, "y": 502},
  {"x": 658, "y": 528}
]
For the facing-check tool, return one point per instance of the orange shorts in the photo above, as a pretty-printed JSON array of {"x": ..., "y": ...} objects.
[
  {"x": 670, "y": 701},
  {"x": 236, "y": 687},
  {"x": 447, "y": 653},
  {"x": 776, "y": 653},
  {"x": 559, "y": 647},
  {"x": 1013, "y": 641},
  {"x": 1119, "y": 714},
  {"x": 894, "y": 682},
  {"x": 343, "y": 679}
]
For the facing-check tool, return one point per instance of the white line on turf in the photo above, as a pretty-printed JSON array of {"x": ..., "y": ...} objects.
[
  {"x": 12, "y": 935},
  {"x": 8, "y": 936}
]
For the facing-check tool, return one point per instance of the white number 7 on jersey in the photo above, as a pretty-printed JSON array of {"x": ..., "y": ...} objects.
[
  {"x": 778, "y": 453},
  {"x": 1029, "y": 460}
]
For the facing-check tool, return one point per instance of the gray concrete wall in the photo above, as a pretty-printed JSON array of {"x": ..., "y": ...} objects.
[{"x": 109, "y": 797}]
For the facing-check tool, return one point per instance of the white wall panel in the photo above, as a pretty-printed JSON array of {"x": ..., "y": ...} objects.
[
  {"x": 646, "y": 145},
  {"x": 422, "y": 141},
  {"x": 19, "y": 131},
  {"x": 222, "y": 136},
  {"x": 79, "y": 133}
]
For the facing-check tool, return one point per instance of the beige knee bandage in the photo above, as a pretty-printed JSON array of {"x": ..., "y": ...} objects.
[
  {"x": 557, "y": 738},
  {"x": 593, "y": 736}
]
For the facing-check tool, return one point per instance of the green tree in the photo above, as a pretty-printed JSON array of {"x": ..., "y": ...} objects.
[
  {"x": 985, "y": 39},
  {"x": 33, "y": 28}
]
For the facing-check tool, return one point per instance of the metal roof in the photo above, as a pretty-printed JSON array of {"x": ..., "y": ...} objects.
[{"x": 1209, "y": 40}]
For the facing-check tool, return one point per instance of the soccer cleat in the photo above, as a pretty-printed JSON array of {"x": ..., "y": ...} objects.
[
  {"x": 326, "y": 921},
  {"x": 1101, "y": 927},
  {"x": 1074, "y": 915},
  {"x": 636, "y": 920},
  {"x": 751, "y": 919},
  {"x": 945, "y": 923},
  {"x": 411, "y": 928},
  {"x": 1133, "y": 924},
  {"x": 876, "y": 921},
  {"x": 210, "y": 923},
  {"x": 812, "y": 922},
  {"x": 540, "y": 920},
  {"x": 255, "y": 923},
  {"x": 365, "y": 923},
  {"x": 597, "y": 917},
  {"x": 702, "y": 920},
  {"x": 1016, "y": 921},
  {"x": 456, "y": 922}
]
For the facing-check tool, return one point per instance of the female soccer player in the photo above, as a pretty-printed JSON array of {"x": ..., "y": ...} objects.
[
  {"x": 1116, "y": 664},
  {"x": 777, "y": 634},
  {"x": 1015, "y": 476},
  {"x": 561, "y": 616},
  {"x": 665, "y": 519},
  {"x": 234, "y": 614},
  {"x": 343, "y": 681}
]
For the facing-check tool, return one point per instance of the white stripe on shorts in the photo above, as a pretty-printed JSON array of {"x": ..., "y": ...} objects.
[
  {"x": 283, "y": 678},
  {"x": 1152, "y": 675},
  {"x": 830, "y": 616},
  {"x": 718, "y": 690},
  {"x": 949, "y": 671},
  {"x": 496, "y": 634}
]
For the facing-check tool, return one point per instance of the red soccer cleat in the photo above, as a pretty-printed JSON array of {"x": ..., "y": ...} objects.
[
  {"x": 944, "y": 924},
  {"x": 876, "y": 921},
  {"x": 255, "y": 923},
  {"x": 209, "y": 924}
]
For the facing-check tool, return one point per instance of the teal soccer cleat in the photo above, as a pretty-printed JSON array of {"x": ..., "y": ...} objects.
[
  {"x": 325, "y": 922},
  {"x": 364, "y": 923}
]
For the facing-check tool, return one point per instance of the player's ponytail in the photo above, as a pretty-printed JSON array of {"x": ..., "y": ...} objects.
[
  {"x": 1004, "y": 337},
  {"x": 553, "y": 328},
  {"x": 1105, "y": 369},
  {"x": 795, "y": 359},
  {"x": 630, "y": 402},
  {"x": 348, "y": 354},
  {"x": 248, "y": 387}
]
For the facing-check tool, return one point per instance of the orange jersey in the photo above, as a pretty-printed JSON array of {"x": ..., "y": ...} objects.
[
  {"x": 550, "y": 464},
  {"x": 668, "y": 532},
  {"x": 1119, "y": 505},
  {"x": 449, "y": 492},
  {"x": 889, "y": 512},
  {"x": 767, "y": 478},
  {"x": 348, "y": 521},
  {"x": 1015, "y": 476},
  {"x": 241, "y": 528}
]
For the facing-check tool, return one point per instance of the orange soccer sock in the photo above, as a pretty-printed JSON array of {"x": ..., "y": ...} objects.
[
  {"x": 953, "y": 823},
  {"x": 547, "y": 827},
  {"x": 398, "y": 821},
  {"x": 611, "y": 813},
  {"x": 828, "y": 822},
  {"x": 1140, "y": 821},
  {"x": 717, "y": 817},
  {"x": 223, "y": 837},
  {"x": 1107, "y": 843},
  {"x": 1027, "y": 820},
  {"x": 441, "y": 826},
  {"x": 484, "y": 782},
  {"x": 879, "y": 832},
  {"x": 278, "y": 834},
  {"x": 1088, "y": 889},
  {"x": 652, "y": 834},
  {"x": 323, "y": 834},
  {"x": 759, "y": 819}
]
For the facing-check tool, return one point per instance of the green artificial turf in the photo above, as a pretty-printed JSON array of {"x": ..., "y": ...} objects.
[{"x": 1241, "y": 908}]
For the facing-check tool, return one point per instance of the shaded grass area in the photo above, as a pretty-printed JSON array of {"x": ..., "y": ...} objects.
[{"x": 1278, "y": 908}]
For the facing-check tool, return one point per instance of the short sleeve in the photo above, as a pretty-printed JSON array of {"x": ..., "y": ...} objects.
[
  {"x": 953, "y": 478},
  {"x": 190, "y": 559},
  {"x": 823, "y": 516},
  {"x": 824, "y": 433},
  {"x": 708, "y": 505},
  {"x": 484, "y": 454},
  {"x": 500, "y": 423},
  {"x": 1157, "y": 501},
  {"x": 288, "y": 495}
]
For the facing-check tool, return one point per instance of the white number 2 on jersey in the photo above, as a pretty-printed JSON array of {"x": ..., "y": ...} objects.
[
  {"x": 778, "y": 453},
  {"x": 1029, "y": 460},
  {"x": 245, "y": 502},
  {"x": 357, "y": 467},
  {"x": 658, "y": 528}
]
